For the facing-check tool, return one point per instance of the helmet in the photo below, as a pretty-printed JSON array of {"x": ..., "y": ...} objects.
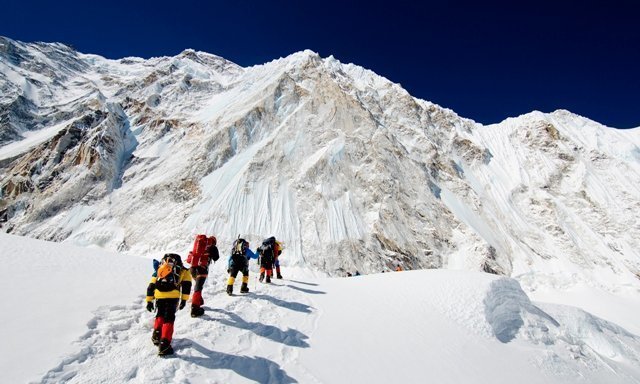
[{"x": 172, "y": 258}]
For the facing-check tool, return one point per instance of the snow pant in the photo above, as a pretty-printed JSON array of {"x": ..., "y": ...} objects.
[
  {"x": 264, "y": 270},
  {"x": 276, "y": 263},
  {"x": 233, "y": 272},
  {"x": 165, "y": 316},
  {"x": 199, "y": 275},
  {"x": 266, "y": 266}
]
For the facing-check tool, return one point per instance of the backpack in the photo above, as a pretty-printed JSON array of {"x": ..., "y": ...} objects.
[
  {"x": 198, "y": 255},
  {"x": 268, "y": 248},
  {"x": 266, "y": 253},
  {"x": 168, "y": 272},
  {"x": 270, "y": 242},
  {"x": 238, "y": 255}
]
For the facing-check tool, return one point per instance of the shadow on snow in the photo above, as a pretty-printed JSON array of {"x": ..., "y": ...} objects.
[
  {"x": 289, "y": 337},
  {"x": 303, "y": 282},
  {"x": 255, "y": 368},
  {"x": 311, "y": 291},
  {"x": 298, "y": 307}
]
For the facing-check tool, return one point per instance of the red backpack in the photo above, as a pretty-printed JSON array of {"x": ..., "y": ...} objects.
[{"x": 199, "y": 256}]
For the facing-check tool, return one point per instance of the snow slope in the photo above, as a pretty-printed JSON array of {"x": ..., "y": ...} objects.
[
  {"x": 413, "y": 327},
  {"x": 57, "y": 293}
]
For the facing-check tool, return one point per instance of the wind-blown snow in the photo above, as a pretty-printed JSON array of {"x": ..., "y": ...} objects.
[{"x": 78, "y": 317}]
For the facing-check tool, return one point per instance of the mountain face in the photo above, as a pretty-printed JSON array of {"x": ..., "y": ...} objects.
[{"x": 344, "y": 166}]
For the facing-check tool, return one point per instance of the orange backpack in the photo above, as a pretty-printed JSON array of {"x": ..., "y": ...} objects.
[{"x": 168, "y": 272}]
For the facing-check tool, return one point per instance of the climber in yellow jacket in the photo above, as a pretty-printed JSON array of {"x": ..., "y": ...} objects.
[{"x": 170, "y": 287}]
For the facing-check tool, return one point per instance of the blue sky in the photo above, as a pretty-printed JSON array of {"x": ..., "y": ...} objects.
[{"x": 485, "y": 60}]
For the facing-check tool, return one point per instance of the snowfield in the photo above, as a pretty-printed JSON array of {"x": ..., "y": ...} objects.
[{"x": 77, "y": 315}]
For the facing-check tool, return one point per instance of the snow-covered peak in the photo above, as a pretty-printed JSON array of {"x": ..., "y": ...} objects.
[
  {"x": 304, "y": 56},
  {"x": 589, "y": 135},
  {"x": 343, "y": 165},
  {"x": 297, "y": 58},
  {"x": 350, "y": 172}
]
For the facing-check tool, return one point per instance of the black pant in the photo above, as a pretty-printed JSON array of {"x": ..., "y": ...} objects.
[
  {"x": 242, "y": 268},
  {"x": 199, "y": 275},
  {"x": 266, "y": 261},
  {"x": 167, "y": 309}
]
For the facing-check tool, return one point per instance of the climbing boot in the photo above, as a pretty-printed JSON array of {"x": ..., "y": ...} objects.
[
  {"x": 155, "y": 337},
  {"x": 197, "y": 311},
  {"x": 165, "y": 348}
]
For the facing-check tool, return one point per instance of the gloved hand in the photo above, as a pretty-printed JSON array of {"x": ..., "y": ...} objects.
[
  {"x": 150, "y": 306},
  {"x": 228, "y": 270},
  {"x": 182, "y": 304}
]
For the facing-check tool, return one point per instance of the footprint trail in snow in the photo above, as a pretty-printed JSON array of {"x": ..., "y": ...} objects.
[{"x": 238, "y": 339}]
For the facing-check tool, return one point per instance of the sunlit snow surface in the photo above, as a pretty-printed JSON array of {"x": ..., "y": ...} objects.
[{"x": 77, "y": 315}]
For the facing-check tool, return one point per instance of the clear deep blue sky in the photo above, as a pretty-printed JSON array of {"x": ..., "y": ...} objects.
[{"x": 485, "y": 60}]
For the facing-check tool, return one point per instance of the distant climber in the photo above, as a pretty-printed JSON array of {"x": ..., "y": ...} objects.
[
  {"x": 268, "y": 254},
  {"x": 170, "y": 287},
  {"x": 239, "y": 262},
  {"x": 276, "y": 255},
  {"x": 203, "y": 253}
]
